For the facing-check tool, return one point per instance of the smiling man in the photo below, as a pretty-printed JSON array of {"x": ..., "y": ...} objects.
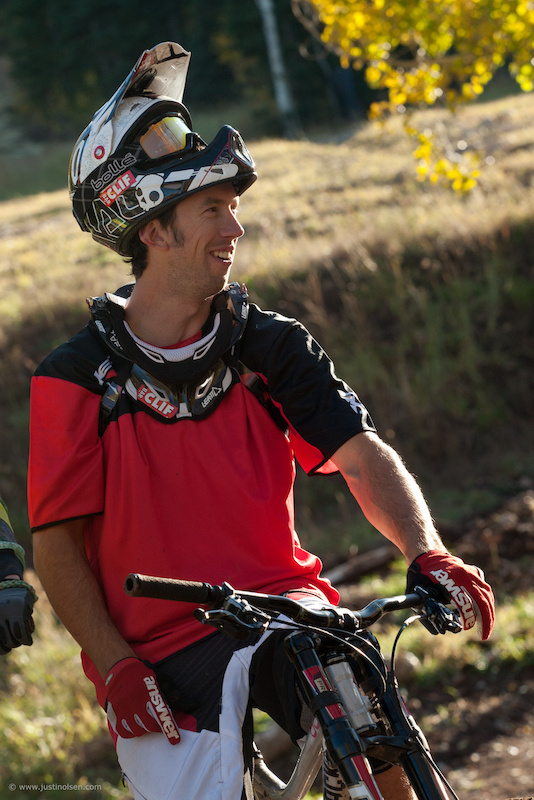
[
  {"x": 190, "y": 262},
  {"x": 163, "y": 440}
]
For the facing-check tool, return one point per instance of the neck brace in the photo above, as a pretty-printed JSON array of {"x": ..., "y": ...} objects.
[{"x": 180, "y": 365}]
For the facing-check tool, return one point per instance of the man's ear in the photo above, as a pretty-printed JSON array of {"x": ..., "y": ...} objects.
[{"x": 153, "y": 234}]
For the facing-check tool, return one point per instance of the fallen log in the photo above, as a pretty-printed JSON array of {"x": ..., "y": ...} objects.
[{"x": 362, "y": 564}]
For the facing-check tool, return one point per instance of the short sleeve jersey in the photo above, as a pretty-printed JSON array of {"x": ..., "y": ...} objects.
[{"x": 208, "y": 500}]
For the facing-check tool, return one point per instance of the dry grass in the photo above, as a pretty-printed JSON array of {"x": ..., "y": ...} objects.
[{"x": 312, "y": 200}]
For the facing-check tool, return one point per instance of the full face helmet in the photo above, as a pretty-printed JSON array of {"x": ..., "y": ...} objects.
[{"x": 139, "y": 154}]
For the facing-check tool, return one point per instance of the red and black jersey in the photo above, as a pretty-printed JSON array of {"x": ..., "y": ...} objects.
[{"x": 206, "y": 498}]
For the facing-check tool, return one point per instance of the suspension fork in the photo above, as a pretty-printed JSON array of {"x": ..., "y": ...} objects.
[
  {"x": 414, "y": 752},
  {"x": 341, "y": 741}
]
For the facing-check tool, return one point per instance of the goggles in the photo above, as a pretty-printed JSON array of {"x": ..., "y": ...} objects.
[{"x": 164, "y": 137}]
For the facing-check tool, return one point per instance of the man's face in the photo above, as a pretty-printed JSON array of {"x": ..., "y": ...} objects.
[{"x": 206, "y": 231}]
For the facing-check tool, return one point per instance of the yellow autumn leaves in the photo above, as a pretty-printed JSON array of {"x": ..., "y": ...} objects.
[
  {"x": 437, "y": 162},
  {"x": 421, "y": 52}
]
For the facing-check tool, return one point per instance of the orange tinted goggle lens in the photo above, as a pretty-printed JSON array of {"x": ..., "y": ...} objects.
[{"x": 164, "y": 137}]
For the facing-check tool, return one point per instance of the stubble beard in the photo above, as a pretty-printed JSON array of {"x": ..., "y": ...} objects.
[{"x": 192, "y": 284}]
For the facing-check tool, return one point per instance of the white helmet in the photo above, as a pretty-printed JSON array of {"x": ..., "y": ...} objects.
[{"x": 139, "y": 154}]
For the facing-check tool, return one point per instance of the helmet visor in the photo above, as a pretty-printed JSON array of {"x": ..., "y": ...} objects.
[{"x": 164, "y": 137}]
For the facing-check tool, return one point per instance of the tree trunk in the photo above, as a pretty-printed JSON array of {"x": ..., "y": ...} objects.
[{"x": 282, "y": 91}]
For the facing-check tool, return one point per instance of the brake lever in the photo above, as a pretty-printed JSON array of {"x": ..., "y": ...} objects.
[
  {"x": 437, "y": 617},
  {"x": 238, "y": 619},
  {"x": 444, "y": 619}
]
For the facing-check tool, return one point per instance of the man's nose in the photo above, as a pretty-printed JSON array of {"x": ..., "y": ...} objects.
[{"x": 232, "y": 227}]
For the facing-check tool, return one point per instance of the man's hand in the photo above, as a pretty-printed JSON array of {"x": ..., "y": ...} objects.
[
  {"x": 16, "y": 621},
  {"x": 459, "y": 583},
  {"x": 135, "y": 705}
]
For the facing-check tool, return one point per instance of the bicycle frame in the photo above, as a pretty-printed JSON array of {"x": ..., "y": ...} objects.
[
  {"x": 267, "y": 785},
  {"x": 358, "y": 716}
]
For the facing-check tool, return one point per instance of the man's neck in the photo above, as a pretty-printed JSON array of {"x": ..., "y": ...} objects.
[{"x": 162, "y": 320}]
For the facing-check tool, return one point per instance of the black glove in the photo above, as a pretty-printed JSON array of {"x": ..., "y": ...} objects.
[{"x": 16, "y": 621}]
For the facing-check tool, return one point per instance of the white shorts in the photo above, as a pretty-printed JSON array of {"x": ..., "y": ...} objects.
[{"x": 213, "y": 686}]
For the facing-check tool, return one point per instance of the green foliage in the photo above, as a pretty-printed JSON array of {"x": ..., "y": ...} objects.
[
  {"x": 35, "y": 168},
  {"x": 62, "y": 55},
  {"x": 443, "y": 659}
]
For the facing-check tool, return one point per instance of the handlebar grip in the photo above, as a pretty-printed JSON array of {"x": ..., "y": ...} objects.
[{"x": 168, "y": 589}]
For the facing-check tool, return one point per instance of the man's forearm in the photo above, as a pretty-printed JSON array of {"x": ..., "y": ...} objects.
[
  {"x": 387, "y": 494},
  {"x": 64, "y": 571}
]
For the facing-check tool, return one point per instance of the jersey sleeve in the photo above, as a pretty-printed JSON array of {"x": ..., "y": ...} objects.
[
  {"x": 65, "y": 471},
  {"x": 322, "y": 411}
]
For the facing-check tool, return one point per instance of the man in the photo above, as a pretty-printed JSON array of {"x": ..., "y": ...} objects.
[
  {"x": 16, "y": 596},
  {"x": 163, "y": 439}
]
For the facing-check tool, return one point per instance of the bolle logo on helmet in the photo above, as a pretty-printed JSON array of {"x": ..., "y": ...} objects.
[
  {"x": 111, "y": 193},
  {"x": 113, "y": 170},
  {"x": 161, "y": 709},
  {"x": 459, "y": 595}
]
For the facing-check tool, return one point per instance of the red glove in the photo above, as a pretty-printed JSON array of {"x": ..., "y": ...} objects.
[
  {"x": 135, "y": 705},
  {"x": 462, "y": 584}
]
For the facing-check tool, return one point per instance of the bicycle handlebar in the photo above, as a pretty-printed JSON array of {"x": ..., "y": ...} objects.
[
  {"x": 200, "y": 593},
  {"x": 238, "y": 614},
  {"x": 172, "y": 589}
]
